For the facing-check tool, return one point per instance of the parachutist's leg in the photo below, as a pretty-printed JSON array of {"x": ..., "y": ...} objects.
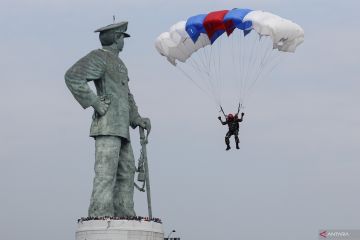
[
  {"x": 237, "y": 141},
  {"x": 227, "y": 140}
]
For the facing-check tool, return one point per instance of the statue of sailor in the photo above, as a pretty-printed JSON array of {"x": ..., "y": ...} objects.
[{"x": 115, "y": 111}]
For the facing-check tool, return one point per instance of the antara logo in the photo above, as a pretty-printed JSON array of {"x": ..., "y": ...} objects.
[
  {"x": 323, "y": 234},
  {"x": 326, "y": 234},
  {"x": 338, "y": 234}
]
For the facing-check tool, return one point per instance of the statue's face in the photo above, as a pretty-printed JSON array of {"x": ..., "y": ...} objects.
[{"x": 120, "y": 42}]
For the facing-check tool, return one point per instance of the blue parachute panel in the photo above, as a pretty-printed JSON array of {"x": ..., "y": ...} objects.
[
  {"x": 237, "y": 17},
  {"x": 194, "y": 26},
  {"x": 216, "y": 35}
]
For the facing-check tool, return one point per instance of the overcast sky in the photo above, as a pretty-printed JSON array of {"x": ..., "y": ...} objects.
[{"x": 298, "y": 168}]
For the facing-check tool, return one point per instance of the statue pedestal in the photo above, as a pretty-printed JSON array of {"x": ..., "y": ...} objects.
[{"x": 119, "y": 230}]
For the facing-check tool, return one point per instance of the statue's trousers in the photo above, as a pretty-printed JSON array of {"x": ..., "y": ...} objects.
[{"x": 113, "y": 186}]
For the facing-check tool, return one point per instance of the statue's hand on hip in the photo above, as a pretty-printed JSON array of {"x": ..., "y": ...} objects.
[{"x": 100, "y": 106}]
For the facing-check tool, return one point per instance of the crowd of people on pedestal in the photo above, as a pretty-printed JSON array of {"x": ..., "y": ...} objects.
[{"x": 132, "y": 218}]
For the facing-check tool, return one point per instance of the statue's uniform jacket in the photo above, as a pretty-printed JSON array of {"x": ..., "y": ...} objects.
[
  {"x": 110, "y": 76},
  {"x": 113, "y": 187}
]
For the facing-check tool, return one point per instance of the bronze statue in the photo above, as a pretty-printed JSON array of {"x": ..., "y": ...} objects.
[{"x": 114, "y": 111}]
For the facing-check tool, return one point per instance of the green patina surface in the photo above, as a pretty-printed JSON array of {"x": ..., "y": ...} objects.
[{"x": 115, "y": 111}]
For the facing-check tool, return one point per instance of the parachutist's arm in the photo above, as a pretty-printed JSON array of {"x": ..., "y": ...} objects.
[
  {"x": 241, "y": 119},
  {"x": 223, "y": 123}
]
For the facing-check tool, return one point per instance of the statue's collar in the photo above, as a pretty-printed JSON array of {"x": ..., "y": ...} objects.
[{"x": 110, "y": 51}]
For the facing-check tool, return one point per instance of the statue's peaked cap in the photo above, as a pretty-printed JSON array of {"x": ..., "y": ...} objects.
[{"x": 121, "y": 27}]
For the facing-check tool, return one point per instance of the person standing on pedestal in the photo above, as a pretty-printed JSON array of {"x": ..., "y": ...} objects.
[{"x": 114, "y": 111}]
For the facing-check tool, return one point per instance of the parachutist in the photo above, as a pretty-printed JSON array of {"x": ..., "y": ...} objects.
[{"x": 233, "y": 124}]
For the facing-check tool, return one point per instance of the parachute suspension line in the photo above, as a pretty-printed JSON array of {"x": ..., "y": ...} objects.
[
  {"x": 204, "y": 79},
  {"x": 215, "y": 68},
  {"x": 204, "y": 52},
  {"x": 191, "y": 79},
  {"x": 258, "y": 64},
  {"x": 240, "y": 63},
  {"x": 268, "y": 57},
  {"x": 196, "y": 84},
  {"x": 273, "y": 59},
  {"x": 241, "y": 57},
  {"x": 213, "y": 73},
  {"x": 197, "y": 68},
  {"x": 211, "y": 76},
  {"x": 220, "y": 76},
  {"x": 270, "y": 61},
  {"x": 207, "y": 71},
  {"x": 195, "y": 64},
  {"x": 248, "y": 56},
  {"x": 262, "y": 65},
  {"x": 240, "y": 106},
  {"x": 254, "y": 64},
  {"x": 232, "y": 55},
  {"x": 210, "y": 56},
  {"x": 200, "y": 56},
  {"x": 234, "y": 51},
  {"x": 248, "y": 51},
  {"x": 233, "y": 59},
  {"x": 258, "y": 67},
  {"x": 222, "y": 110}
]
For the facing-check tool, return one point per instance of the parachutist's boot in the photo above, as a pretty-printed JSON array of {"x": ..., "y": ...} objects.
[
  {"x": 227, "y": 142},
  {"x": 237, "y": 141},
  {"x": 228, "y": 147}
]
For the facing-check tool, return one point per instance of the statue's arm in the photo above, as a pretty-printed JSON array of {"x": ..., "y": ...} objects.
[
  {"x": 135, "y": 118},
  {"x": 89, "y": 68}
]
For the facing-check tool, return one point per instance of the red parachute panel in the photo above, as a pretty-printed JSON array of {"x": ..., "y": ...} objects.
[{"x": 215, "y": 26}]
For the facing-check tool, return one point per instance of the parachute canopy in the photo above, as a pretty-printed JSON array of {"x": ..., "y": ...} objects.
[
  {"x": 186, "y": 37},
  {"x": 229, "y": 51}
]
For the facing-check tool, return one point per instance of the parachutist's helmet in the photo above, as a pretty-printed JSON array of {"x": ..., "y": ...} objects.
[{"x": 230, "y": 117}]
